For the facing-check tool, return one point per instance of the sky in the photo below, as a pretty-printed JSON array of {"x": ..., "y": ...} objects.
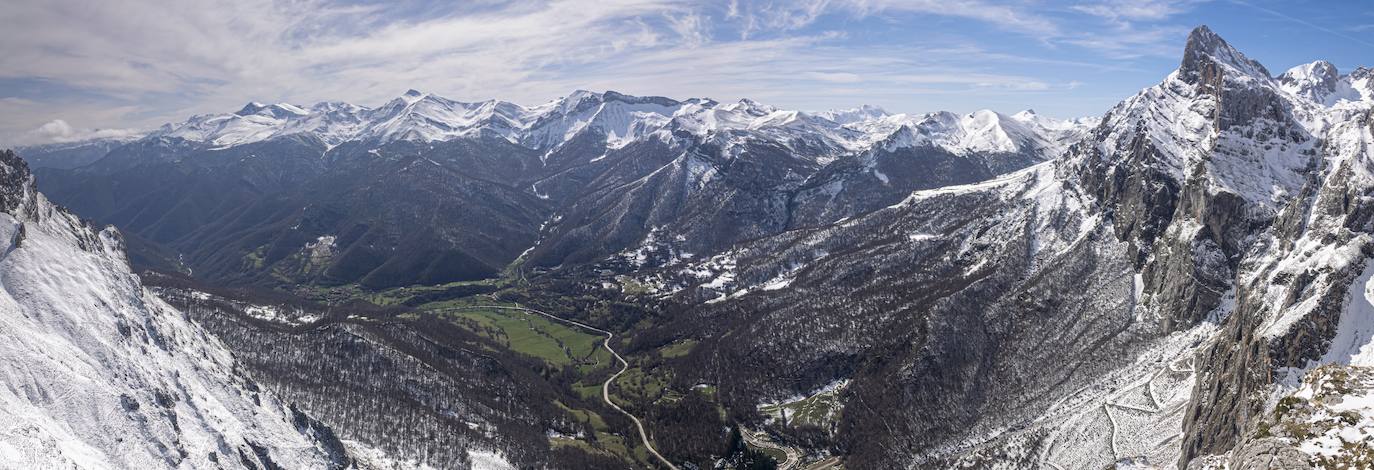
[{"x": 75, "y": 69}]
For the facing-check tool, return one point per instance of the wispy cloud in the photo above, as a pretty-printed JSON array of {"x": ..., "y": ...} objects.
[
  {"x": 768, "y": 15},
  {"x": 1152, "y": 10},
  {"x": 1303, "y": 22},
  {"x": 1010, "y": 17},
  {"x": 693, "y": 28}
]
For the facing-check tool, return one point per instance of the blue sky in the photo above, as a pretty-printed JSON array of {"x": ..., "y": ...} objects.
[{"x": 70, "y": 67}]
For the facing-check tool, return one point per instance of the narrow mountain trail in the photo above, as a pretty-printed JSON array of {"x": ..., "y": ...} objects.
[
  {"x": 605, "y": 386},
  {"x": 1115, "y": 401}
]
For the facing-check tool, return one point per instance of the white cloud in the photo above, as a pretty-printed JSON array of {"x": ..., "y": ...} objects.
[
  {"x": 59, "y": 131},
  {"x": 29, "y": 122},
  {"x": 55, "y": 129}
]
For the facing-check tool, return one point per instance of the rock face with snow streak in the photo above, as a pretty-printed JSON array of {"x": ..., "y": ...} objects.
[
  {"x": 1192, "y": 168},
  {"x": 99, "y": 373}
]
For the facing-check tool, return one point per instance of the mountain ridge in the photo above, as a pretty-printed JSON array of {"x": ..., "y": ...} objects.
[{"x": 424, "y": 117}]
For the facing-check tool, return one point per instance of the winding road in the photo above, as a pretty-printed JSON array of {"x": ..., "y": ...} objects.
[
  {"x": 606, "y": 386},
  {"x": 793, "y": 456}
]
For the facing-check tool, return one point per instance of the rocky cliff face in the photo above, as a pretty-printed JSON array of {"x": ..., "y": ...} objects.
[
  {"x": 1192, "y": 169},
  {"x": 1294, "y": 294}
]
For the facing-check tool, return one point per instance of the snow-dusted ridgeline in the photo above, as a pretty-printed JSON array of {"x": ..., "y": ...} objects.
[{"x": 621, "y": 119}]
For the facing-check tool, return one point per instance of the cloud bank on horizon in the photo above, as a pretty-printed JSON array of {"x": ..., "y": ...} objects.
[{"x": 72, "y": 69}]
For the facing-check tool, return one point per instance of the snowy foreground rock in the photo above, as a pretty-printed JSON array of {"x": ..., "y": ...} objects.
[
  {"x": 98, "y": 373},
  {"x": 1327, "y": 423}
]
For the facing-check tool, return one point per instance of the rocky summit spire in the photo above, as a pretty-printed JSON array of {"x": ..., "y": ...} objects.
[{"x": 1205, "y": 49}]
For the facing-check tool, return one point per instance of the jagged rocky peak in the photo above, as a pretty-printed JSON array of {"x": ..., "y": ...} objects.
[
  {"x": 1206, "y": 50},
  {"x": 1191, "y": 168},
  {"x": 1363, "y": 73}
]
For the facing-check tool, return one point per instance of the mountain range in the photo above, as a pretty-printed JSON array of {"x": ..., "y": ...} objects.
[
  {"x": 1184, "y": 282},
  {"x": 234, "y": 197}
]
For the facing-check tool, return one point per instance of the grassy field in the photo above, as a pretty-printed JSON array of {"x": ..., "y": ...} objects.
[
  {"x": 395, "y": 295},
  {"x": 819, "y": 410},
  {"x": 588, "y": 390},
  {"x": 556, "y": 343},
  {"x": 677, "y": 348}
]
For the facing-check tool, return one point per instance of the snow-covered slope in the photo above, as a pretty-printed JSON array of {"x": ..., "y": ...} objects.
[{"x": 97, "y": 373}]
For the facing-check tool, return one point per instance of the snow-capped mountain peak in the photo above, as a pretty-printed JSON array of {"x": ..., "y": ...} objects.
[
  {"x": 1219, "y": 116},
  {"x": 620, "y": 118},
  {"x": 1321, "y": 83},
  {"x": 848, "y": 116},
  {"x": 983, "y": 131}
]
